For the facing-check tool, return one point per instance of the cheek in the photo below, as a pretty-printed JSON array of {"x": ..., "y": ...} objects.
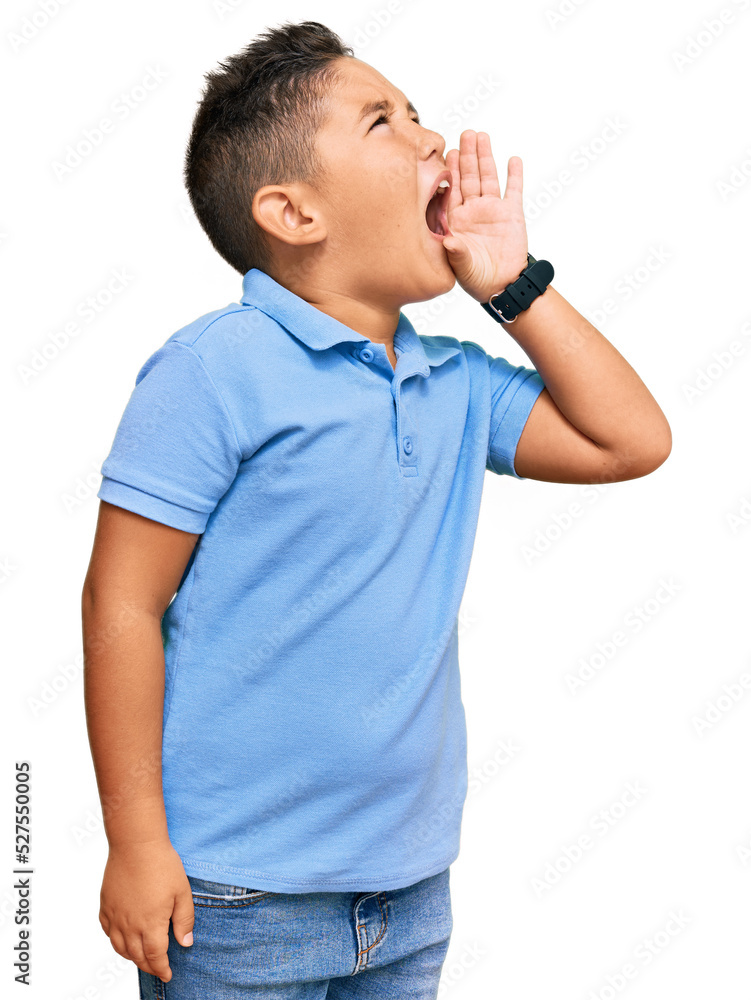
[
  {"x": 401, "y": 183},
  {"x": 381, "y": 209},
  {"x": 377, "y": 213}
]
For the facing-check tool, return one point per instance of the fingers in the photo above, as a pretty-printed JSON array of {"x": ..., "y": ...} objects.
[
  {"x": 469, "y": 168},
  {"x": 514, "y": 180},
  {"x": 489, "y": 184},
  {"x": 455, "y": 195},
  {"x": 474, "y": 172},
  {"x": 183, "y": 916},
  {"x": 148, "y": 951},
  {"x": 154, "y": 950}
]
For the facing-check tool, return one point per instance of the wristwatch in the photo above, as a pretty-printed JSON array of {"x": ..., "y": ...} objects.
[{"x": 505, "y": 306}]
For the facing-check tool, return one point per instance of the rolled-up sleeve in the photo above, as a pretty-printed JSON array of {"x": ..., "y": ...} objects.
[
  {"x": 513, "y": 392},
  {"x": 175, "y": 452}
]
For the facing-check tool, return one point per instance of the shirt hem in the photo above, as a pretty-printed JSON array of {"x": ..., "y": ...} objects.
[
  {"x": 513, "y": 422},
  {"x": 152, "y": 507},
  {"x": 252, "y": 879}
]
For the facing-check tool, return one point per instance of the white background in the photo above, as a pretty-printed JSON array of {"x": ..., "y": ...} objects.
[{"x": 542, "y": 592}]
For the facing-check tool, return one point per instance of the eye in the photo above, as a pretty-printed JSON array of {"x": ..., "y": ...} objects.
[{"x": 384, "y": 119}]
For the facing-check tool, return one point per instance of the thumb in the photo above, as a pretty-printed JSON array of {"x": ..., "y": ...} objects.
[
  {"x": 183, "y": 918},
  {"x": 454, "y": 246}
]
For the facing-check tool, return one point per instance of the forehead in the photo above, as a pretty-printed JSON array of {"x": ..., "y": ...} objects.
[{"x": 359, "y": 84}]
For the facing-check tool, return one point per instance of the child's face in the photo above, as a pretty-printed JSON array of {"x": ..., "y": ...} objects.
[{"x": 379, "y": 179}]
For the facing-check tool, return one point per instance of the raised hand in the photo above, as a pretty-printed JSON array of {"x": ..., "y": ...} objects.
[{"x": 487, "y": 243}]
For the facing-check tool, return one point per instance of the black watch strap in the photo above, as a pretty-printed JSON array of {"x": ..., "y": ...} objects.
[{"x": 505, "y": 306}]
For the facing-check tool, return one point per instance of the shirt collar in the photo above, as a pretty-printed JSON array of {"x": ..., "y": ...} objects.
[{"x": 319, "y": 330}]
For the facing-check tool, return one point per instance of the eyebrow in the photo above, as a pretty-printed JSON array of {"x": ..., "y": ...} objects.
[{"x": 372, "y": 106}]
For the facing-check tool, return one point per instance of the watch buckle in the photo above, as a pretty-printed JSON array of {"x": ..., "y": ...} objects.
[{"x": 498, "y": 311}]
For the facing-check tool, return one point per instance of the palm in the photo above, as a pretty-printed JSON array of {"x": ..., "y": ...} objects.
[{"x": 490, "y": 229}]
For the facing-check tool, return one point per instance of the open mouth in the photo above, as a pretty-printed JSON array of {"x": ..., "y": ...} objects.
[{"x": 435, "y": 213}]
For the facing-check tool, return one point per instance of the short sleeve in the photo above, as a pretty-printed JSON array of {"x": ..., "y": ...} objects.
[
  {"x": 175, "y": 451},
  {"x": 513, "y": 393}
]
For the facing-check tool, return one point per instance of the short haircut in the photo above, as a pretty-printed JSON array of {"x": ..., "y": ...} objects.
[{"x": 256, "y": 124}]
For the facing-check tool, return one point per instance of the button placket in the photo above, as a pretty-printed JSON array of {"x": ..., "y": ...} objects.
[
  {"x": 406, "y": 441},
  {"x": 374, "y": 357}
]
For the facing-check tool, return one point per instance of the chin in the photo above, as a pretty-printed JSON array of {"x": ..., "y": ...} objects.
[
  {"x": 425, "y": 275},
  {"x": 444, "y": 277},
  {"x": 430, "y": 286},
  {"x": 450, "y": 279}
]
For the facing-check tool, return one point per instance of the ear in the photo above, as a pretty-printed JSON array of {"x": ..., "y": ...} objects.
[{"x": 289, "y": 214}]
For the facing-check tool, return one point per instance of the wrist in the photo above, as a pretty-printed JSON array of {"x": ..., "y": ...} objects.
[
  {"x": 528, "y": 317},
  {"x": 501, "y": 284},
  {"x": 506, "y": 304},
  {"x": 141, "y": 820},
  {"x": 139, "y": 845}
]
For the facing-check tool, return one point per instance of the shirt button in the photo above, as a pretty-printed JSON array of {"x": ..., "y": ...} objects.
[
  {"x": 407, "y": 443},
  {"x": 366, "y": 354}
]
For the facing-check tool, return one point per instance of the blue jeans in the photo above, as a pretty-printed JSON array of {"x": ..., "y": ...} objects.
[{"x": 280, "y": 946}]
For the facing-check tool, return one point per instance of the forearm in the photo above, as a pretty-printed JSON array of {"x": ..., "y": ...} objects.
[
  {"x": 590, "y": 382},
  {"x": 123, "y": 695}
]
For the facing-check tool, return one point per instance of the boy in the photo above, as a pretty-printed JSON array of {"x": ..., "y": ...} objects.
[{"x": 281, "y": 749}]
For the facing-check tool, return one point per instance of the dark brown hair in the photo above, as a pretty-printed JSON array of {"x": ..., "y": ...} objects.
[{"x": 256, "y": 124}]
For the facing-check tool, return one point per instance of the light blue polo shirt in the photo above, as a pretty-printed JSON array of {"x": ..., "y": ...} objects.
[{"x": 314, "y": 735}]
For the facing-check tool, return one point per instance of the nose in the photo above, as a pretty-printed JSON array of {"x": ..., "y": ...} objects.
[{"x": 431, "y": 142}]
